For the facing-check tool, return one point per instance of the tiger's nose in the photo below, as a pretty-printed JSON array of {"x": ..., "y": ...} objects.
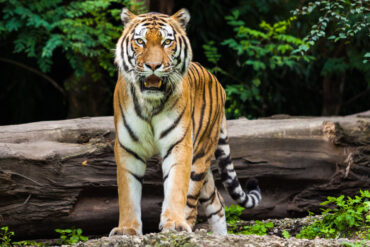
[{"x": 153, "y": 66}]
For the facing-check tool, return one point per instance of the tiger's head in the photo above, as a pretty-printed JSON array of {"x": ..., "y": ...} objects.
[{"x": 154, "y": 52}]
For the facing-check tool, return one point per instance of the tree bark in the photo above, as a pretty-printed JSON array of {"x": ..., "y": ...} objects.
[
  {"x": 332, "y": 94},
  {"x": 333, "y": 86},
  {"x": 162, "y": 6},
  {"x": 60, "y": 174},
  {"x": 88, "y": 97}
]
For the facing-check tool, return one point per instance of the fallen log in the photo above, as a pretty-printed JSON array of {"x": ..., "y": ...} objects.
[{"x": 59, "y": 174}]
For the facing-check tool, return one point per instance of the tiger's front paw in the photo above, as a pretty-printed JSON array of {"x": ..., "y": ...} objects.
[
  {"x": 119, "y": 231},
  {"x": 178, "y": 226},
  {"x": 174, "y": 224}
]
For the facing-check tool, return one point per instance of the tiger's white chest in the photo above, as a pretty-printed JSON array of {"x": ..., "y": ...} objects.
[{"x": 149, "y": 137}]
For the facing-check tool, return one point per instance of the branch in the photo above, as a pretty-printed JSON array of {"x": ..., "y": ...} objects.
[
  {"x": 35, "y": 71},
  {"x": 229, "y": 75},
  {"x": 356, "y": 97}
]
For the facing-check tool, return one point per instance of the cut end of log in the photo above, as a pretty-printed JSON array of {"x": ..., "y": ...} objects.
[{"x": 332, "y": 131}]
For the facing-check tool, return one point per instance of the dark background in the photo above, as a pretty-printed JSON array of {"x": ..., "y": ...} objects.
[{"x": 26, "y": 96}]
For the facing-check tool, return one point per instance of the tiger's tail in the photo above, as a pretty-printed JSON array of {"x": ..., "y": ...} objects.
[{"x": 228, "y": 175}]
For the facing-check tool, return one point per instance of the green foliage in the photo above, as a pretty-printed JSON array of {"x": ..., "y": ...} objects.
[
  {"x": 333, "y": 65},
  {"x": 268, "y": 67},
  {"x": 71, "y": 236},
  {"x": 211, "y": 52},
  {"x": 267, "y": 48},
  {"x": 286, "y": 234},
  {"x": 346, "y": 218},
  {"x": 356, "y": 244},
  {"x": 27, "y": 243},
  {"x": 349, "y": 18},
  {"x": 259, "y": 228},
  {"x": 84, "y": 32},
  {"x": 5, "y": 236},
  {"x": 6, "y": 239},
  {"x": 350, "y": 217},
  {"x": 258, "y": 51},
  {"x": 67, "y": 236},
  {"x": 78, "y": 28},
  {"x": 367, "y": 57},
  {"x": 233, "y": 214}
]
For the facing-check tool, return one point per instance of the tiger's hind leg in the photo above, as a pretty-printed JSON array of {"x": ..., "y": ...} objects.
[
  {"x": 201, "y": 164},
  {"x": 213, "y": 206}
]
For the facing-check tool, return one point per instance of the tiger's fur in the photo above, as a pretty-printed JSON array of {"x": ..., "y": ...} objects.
[{"x": 184, "y": 122}]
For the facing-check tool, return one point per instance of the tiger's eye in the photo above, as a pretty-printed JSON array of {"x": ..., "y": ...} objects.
[
  {"x": 140, "y": 41},
  {"x": 167, "y": 42}
]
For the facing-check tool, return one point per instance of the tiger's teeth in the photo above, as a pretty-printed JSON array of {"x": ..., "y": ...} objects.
[
  {"x": 160, "y": 84},
  {"x": 146, "y": 84}
]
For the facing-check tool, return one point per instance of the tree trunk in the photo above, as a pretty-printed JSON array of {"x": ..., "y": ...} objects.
[
  {"x": 333, "y": 86},
  {"x": 88, "y": 97},
  {"x": 162, "y": 6},
  {"x": 332, "y": 94},
  {"x": 60, "y": 174}
]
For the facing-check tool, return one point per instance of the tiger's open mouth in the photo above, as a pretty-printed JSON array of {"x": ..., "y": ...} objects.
[{"x": 153, "y": 83}]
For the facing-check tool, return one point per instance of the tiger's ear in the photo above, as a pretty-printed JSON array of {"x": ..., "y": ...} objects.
[
  {"x": 126, "y": 16},
  {"x": 182, "y": 16}
]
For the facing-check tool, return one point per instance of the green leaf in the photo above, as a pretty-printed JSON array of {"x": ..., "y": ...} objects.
[
  {"x": 13, "y": 24},
  {"x": 74, "y": 239},
  {"x": 286, "y": 234},
  {"x": 269, "y": 224},
  {"x": 235, "y": 13},
  {"x": 256, "y": 82},
  {"x": 83, "y": 238}
]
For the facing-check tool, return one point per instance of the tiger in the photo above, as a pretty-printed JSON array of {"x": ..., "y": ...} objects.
[{"x": 165, "y": 104}]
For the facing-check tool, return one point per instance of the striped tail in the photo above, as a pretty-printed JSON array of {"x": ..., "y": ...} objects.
[{"x": 228, "y": 175}]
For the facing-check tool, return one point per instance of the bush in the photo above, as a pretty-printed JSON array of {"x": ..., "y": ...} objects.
[
  {"x": 258, "y": 52},
  {"x": 297, "y": 64},
  {"x": 233, "y": 214},
  {"x": 5, "y": 236},
  {"x": 71, "y": 236},
  {"x": 350, "y": 217},
  {"x": 80, "y": 29}
]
